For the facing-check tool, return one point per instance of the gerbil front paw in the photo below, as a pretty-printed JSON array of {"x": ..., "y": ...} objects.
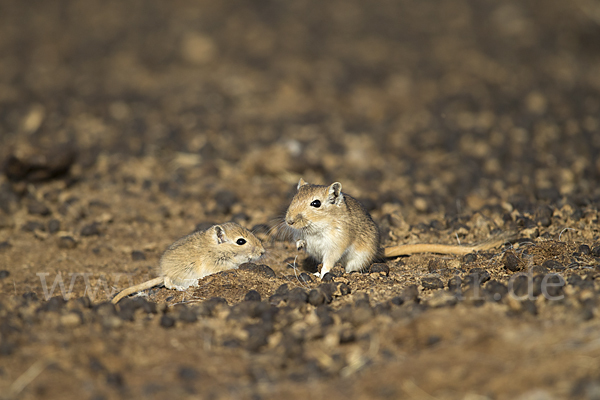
[{"x": 300, "y": 244}]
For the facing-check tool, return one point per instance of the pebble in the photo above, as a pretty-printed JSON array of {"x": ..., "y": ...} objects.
[
  {"x": 584, "y": 250},
  {"x": 188, "y": 315},
  {"x": 31, "y": 226},
  {"x": 328, "y": 277},
  {"x": 38, "y": 208},
  {"x": 410, "y": 293},
  {"x": 188, "y": 373},
  {"x": 454, "y": 283},
  {"x": 53, "y": 226},
  {"x": 166, "y": 321},
  {"x": 4, "y": 274},
  {"x": 477, "y": 276},
  {"x": 596, "y": 251},
  {"x": 470, "y": 258},
  {"x": 252, "y": 295},
  {"x": 432, "y": 283},
  {"x": 90, "y": 229},
  {"x": 316, "y": 297},
  {"x": 543, "y": 215},
  {"x": 511, "y": 262},
  {"x": 5, "y": 246},
  {"x": 258, "y": 269},
  {"x": 66, "y": 242},
  {"x": 137, "y": 255},
  {"x": 340, "y": 289},
  {"x": 297, "y": 295},
  {"x": 305, "y": 278},
  {"x": 553, "y": 265},
  {"x": 70, "y": 320},
  {"x": 380, "y": 268}
]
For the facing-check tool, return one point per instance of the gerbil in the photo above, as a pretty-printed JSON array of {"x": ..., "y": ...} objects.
[
  {"x": 332, "y": 226},
  {"x": 219, "y": 248}
]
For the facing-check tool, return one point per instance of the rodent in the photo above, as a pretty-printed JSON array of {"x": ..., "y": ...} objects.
[
  {"x": 332, "y": 226},
  {"x": 219, "y": 248}
]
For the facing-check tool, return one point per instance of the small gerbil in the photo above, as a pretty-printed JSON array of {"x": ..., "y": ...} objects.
[
  {"x": 219, "y": 248},
  {"x": 333, "y": 226}
]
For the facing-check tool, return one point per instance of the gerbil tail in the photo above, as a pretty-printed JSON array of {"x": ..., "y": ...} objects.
[
  {"x": 407, "y": 249},
  {"x": 142, "y": 286}
]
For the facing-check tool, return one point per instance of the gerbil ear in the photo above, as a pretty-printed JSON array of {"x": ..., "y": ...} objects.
[
  {"x": 335, "y": 195},
  {"x": 219, "y": 234},
  {"x": 301, "y": 183}
]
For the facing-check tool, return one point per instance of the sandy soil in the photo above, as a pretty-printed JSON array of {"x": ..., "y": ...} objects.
[{"x": 125, "y": 125}]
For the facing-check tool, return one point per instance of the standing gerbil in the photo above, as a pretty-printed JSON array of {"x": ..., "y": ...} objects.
[
  {"x": 219, "y": 248},
  {"x": 332, "y": 226}
]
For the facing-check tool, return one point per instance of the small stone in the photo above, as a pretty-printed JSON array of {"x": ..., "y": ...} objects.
[
  {"x": 442, "y": 298},
  {"x": 66, "y": 242},
  {"x": 297, "y": 295},
  {"x": 543, "y": 215},
  {"x": 596, "y": 251},
  {"x": 380, "y": 268},
  {"x": 115, "y": 379},
  {"x": 477, "y": 276},
  {"x": 469, "y": 258},
  {"x": 511, "y": 262},
  {"x": 283, "y": 290},
  {"x": 188, "y": 315},
  {"x": 258, "y": 269},
  {"x": 5, "y": 246},
  {"x": 4, "y": 274},
  {"x": 167, "y": 321},
  {"x": 328, "y": 277},
  {"x": 137, "y": 255},
  {"x": 252, "y": 295},
  {"x": 70, "y": 320},
  {"x": 432, "y": 283},
  {"x": 53, "y": 226},
  {"x": 90, "y": 229},
  {"x": 31, "y": 226},
  {"x": 584, "y": 250},
  {"x": 454, "y": 283},
  {"x": 305, "y": 278},
  {"x": 188, "y": 374},
  {"x": 397, "y": 301},
  {"x": 341, "y": 289},
  {"x": 316, "y": 297},
  {"x": 55, "y": 304},
  {"x": 38, "y": 208},
  {"x": 553, "y": 264}
]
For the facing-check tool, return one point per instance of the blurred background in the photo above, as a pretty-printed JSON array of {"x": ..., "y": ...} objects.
[{"x": 449, "y": 101}]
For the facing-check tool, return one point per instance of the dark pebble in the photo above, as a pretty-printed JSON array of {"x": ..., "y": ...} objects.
[
  {"x": 525, "y": 223},
  {"x": 477, "y": 276},
  {"x": 53, "y": 226},
  {"x": 105, "y": 309},
  {"x": 30, "y": 296},
  {"x": 584, "y": 250},
  {"x": 327, "y": 277},
  {"x": 5, "y": 246},
  {"x": 90, "y": 229},
  {"x": 84, "y": 302},
  {"x": 55, "y": 304},
  {"x": 432, "y": 283},
  {"x": 495, "y": 291},
  {"x": 167, "y": 321},
  {"x": 4, "y": 274},
  {"x": 327, "y": 290},
  {"x": 553, "y": 265},
  {"x": 31, "y": 226},
  {"x": 305, "y": 278},
  {"x": 188, "y": 315},
  {"x": 188, "y": 374},
  {"x": 341, "y": 289},
  {"x": 66, "y": 242},
  {"x": 543, "y": 215},
  {"x": 252, "y": 295},
  {"x": 137, "y": 255},
  {"x": 454, "y": 283},
  {"x": 258, "y": 336},
  {"x": 38, "y": 208},
  {"x": 529, "y": 306},
  {"x": 538, "y": 269},
  {"x": 276, "y": 299},
  {"x": 410, "y": 293},
  {"x": 297, "y": 295},
  {"x": 258, "y": 269},
  {"x": 554, "y": 285},
  {"x": 397, "y": 301},
  {"x": 380, "y": 268},
  {"x": 115, "y": 379},
  {"x": 511, "y": 262},
  {"x": 324, "y": 314},
  {"x": 42, "y": 166},
  {"x": 316, "y": 297},
  {"x": 282, "y": 290},
  {"x": 8, "y": 198},
  {"x": 596, "y": 251},
  {"x": 7, "y": 348},
  {"x": 469, "y": 258}
]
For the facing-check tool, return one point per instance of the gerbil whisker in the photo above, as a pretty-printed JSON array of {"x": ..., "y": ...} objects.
[
  {"x": 561, "y": 232},
  {"x": 295, "y": 272}
]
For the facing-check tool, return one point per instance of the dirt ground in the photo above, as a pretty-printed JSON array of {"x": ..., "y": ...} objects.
[{"x": 125, "y": 125}]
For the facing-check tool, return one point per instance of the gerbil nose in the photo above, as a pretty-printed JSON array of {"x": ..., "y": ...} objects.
[{"x": 289, "y": 221}]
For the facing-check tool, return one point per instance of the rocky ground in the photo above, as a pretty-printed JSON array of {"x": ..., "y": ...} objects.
[{"x": 125, "y": 125}]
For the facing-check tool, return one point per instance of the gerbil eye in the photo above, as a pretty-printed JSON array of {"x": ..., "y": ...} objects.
[
  {"x": 316, "y": 204},
  {"x": 241, "y": 241}
]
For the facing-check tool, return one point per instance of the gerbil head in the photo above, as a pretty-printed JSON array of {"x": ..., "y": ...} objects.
[
  {"x": 237, "y": 242},
  {"x": 314, "y": 204}
]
